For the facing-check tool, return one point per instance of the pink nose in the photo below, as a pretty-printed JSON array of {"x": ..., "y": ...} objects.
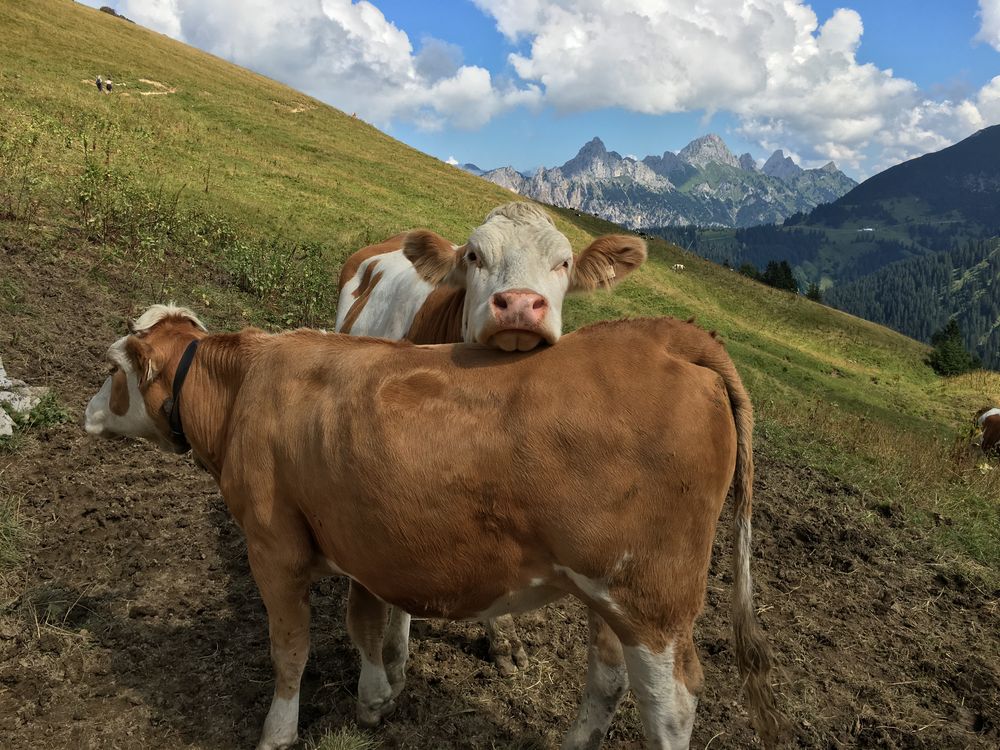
[{"x": 518, "y": 308}]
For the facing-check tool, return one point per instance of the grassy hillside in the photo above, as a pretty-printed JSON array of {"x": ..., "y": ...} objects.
[
  {"x": 233, "y": 193},
  {"x": 128, "y": 617}
]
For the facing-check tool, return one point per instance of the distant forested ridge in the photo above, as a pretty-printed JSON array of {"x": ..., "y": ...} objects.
[
  {"x": 918, "y": 296},
  {"x": 909, "y": 247}
]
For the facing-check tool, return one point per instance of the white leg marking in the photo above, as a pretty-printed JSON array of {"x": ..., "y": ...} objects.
[
  {"x": 396, "y": 650},
  {"x": 281, "y": 727},
  {"x": 605, "y": 688},
  {"x": 665, "y": 705},
  {"x": 375, "y": 698}
]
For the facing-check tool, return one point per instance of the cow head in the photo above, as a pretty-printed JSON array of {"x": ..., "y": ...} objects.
[
  {"x": 516, "y": 269},
  {"x": 130, "y": 403}
]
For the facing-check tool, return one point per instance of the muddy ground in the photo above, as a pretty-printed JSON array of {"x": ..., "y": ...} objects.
[{"x": 134, "y": 622}]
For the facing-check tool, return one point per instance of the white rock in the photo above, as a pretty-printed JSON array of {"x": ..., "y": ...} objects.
[{"x": 6, "y": 424}]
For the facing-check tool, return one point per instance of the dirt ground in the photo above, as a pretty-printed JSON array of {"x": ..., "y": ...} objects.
[{"x": 135, "y": 624}]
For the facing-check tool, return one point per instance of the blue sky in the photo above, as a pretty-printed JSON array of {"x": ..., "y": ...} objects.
[{"x": 866, "y": 84}]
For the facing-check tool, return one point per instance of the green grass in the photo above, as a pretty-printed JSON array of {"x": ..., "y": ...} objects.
[
  {"x": 344, "y": 739},
  {"x": 14, "y": 535},
  {"x": 241, "y": 197}
]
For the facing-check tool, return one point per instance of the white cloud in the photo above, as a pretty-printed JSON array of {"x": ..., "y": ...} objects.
[
  {"x": 793, "y": 82},
  {"x": 342, "y": 52},
  {"x": 451, "y": 160},
  {"x": 989, "y": 31}
]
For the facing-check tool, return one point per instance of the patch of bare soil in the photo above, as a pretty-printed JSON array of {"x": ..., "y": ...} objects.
[
  {"x": 294, "y": 108},
  {"x": 160, "y": 89},
  {"x": 135, "y": 623}
]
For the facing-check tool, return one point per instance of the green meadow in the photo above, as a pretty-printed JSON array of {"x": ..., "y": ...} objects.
[{"x": 203, "y": 182}]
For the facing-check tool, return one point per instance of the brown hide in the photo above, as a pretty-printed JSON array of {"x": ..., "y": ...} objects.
[
  {"x": 444, "y": 477},
  {"x": 991, "y": 434}
]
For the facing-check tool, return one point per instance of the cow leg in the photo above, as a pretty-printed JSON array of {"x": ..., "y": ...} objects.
[
  {"x": 666, "y": 684},
  {"x": 396, "y": 649},
  {"x": 607, "y": 682},
  {"x": 506, "y": 648},
  {"x": 366, "y": 624},
  {"x": 285, "y": 591}
]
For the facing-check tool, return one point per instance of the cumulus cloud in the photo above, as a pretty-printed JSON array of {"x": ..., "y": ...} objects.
[
  {"x": 989, "y": 31},
  {"x": 451, "y": 160},
  {"x": 792, "y": 81},
  {"x": 342, "y": 52}
]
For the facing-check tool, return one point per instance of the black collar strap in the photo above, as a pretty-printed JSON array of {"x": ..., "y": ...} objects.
[{"x": 174, "y": 407}]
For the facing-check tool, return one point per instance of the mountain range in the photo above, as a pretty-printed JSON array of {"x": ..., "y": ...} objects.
[
  {"x": 909, "y": 247},
  {"x": 704, "y": 184}
]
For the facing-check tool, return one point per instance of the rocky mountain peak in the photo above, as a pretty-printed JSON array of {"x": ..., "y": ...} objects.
[
  {"x": 707, "y": 150},
  {"x": 596, "y": 161},
  {"x": 748, "y": 163},
  {"x": 781, "y": 166}
]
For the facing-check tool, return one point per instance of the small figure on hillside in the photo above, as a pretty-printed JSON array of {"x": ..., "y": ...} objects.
[
  {"x": 100, "y": 84},
  {"x": 989, "y": 422},
  {"x": 107, "y": 85}
]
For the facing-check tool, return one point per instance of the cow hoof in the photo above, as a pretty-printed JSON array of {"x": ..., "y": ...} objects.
[
  {"x": 508, "y": 664},
  {"x": 521, "y": 656},
  {"x": 505, "y": 665},
  {"x": 397, "y": 680},
  {"x": 369, "y": 717},
  {"x": 277, "y": 743}
]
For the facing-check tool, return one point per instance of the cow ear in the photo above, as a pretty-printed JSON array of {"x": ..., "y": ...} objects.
[
  {"x": 433, "y": 257},
  {"x": 141, "y": 355},
  {"x": 606, "y": 261}
]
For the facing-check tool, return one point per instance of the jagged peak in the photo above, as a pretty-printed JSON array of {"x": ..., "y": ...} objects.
[
  {"x": 707, "y": 149},
  {"x": 781, "y": 166}
]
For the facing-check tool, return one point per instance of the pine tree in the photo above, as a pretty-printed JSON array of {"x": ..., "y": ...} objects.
[
  {"x": 949, "y": 356},
  {"x": 814, "y": 292}
]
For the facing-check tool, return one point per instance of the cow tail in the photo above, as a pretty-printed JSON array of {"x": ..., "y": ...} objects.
[{"x": 753, "y": 654}]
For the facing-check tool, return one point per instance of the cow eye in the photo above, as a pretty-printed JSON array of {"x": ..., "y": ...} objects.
[
  {"x": 564, "y": 266},
  {"x": 471, "y": 257}
]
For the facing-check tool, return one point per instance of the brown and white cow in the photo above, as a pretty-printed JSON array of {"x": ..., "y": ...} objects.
[
  {"x": 988, "y": 420},
  {"x": 460, "y": 482},
  {"x": 504, "y": 287}
]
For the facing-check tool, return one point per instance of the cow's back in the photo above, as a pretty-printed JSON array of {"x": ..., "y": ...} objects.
[{"x": 461, "y": 452}]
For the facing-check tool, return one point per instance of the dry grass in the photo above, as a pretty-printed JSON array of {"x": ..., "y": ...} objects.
[{"x": 345, "y": 738}]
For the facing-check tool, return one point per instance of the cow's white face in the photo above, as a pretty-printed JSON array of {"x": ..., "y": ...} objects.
[
  {"x": 516, "y": 277},
  {"x": 118, "y": 408},
  {"x": 516, "y": 269}
]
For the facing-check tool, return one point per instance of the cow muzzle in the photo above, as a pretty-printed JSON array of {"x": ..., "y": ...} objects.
[{"x": 518, "y": 320}]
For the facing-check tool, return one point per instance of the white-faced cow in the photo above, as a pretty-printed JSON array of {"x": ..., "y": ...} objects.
[
  {"x": 504, "y": 287},
  {"x": 988, "y": 420},
  {"x": 460, "y": 482}
]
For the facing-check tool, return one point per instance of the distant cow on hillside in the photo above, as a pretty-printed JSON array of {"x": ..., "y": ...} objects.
[
  {"x": 988, "y": 420},
  {"x": 678, "y": 266}
]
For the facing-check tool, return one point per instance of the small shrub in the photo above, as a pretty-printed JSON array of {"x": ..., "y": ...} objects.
[
  {"x": 345, "y": 739},
  {"x": 21, "y": 174},
  {"x": 48, "y": 412}
]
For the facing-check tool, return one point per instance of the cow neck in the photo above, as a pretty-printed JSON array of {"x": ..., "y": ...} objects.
[
  {"x": 173, "y": 405},
  {"x": 209, "y": 391}
]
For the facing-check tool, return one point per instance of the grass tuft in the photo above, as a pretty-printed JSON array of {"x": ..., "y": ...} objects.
[{"x": 344, "y": 738}]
